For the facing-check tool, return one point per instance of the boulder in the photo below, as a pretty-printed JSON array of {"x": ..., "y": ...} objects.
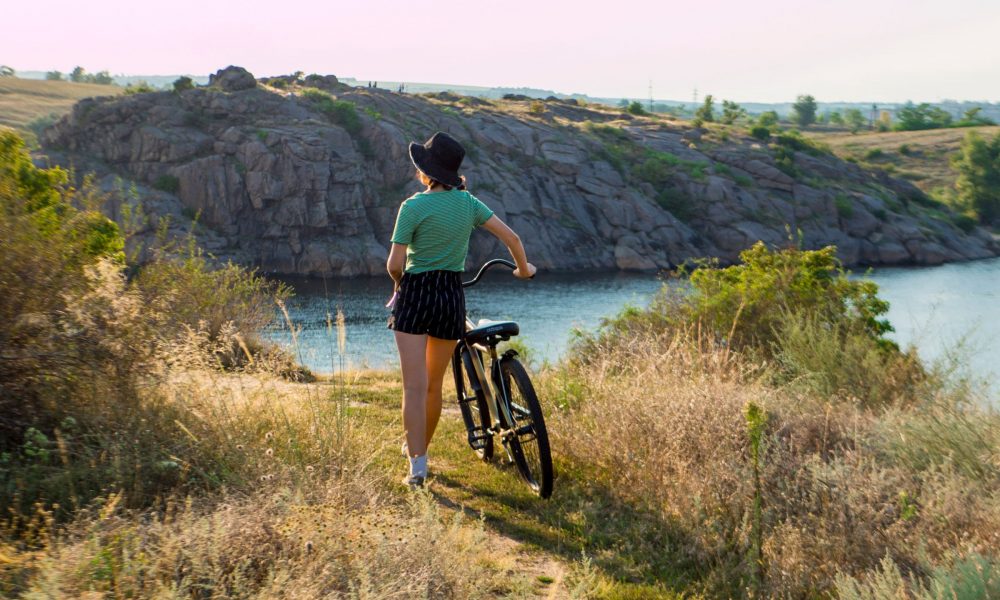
[{"x": 232, "y": 79}]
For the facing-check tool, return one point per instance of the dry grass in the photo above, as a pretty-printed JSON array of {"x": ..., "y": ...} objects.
[
  {"x": 307, "y": 508},
  {"x": 926, "y": 158},
  {"x": 661, "y": 421},
  {"x": 25, "y": 100}
]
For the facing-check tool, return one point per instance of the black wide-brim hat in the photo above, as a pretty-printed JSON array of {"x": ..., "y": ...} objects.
[{"x": 439, "y": 158}]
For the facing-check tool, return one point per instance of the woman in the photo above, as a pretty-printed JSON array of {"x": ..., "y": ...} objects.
[{"x": 429, "y": 245}]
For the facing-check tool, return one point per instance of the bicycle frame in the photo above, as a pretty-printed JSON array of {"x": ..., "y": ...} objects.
[
  {"x": 501, "y": 417},
  {"x": 477, "y": 378}
]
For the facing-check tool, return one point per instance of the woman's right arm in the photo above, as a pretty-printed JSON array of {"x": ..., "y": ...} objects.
[{"x": 498, "y": 228}]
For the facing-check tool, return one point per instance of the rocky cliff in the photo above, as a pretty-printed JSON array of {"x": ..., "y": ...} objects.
[{"x": 306, "y": 176}]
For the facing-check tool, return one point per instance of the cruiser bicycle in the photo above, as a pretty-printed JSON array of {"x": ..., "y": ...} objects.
[{"x": 502, "y": 404}]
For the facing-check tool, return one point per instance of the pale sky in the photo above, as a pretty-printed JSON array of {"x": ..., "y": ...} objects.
[{"x": 767, "y": 51}]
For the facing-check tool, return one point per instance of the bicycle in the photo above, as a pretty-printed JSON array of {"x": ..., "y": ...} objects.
[{"x": 510, "y": 398}]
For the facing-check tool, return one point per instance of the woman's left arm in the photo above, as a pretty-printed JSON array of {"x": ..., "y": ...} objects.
[{"x": 396, "y": 262}]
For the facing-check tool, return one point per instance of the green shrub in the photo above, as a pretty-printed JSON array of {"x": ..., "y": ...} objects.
[
  {"x": 341, "y": 112},
  {"x": 658, "y": 168},
  {"x": 768, "y": 119},
  {"x": 760, "y": 132},
  {"x": 635, "y": 108},
  {"x": 784, "y": 159},
  {"x": 678, "y": 203},
  {"x": 139, "y": 87},
  {"x": 745, "y": 305},
  {"x": 845, "y": 208},
  {"x": 964, "y": 222},
  {"x": 743, "y": 181},
  {"x": 874, "y": 153},
  {"x": 183, "y": 83},
  {"x": 839, "y": 359},
  {"x": 972, "y": 577},
  {"x": 167, "y": 183},
  {"x": 978, "y": 183},
  {"x": 84, "y": 348},
  {"x": 537, "y": 107},
  {"x": 796, "y": 141}
]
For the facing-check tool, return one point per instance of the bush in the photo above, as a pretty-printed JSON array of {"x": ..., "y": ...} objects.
[
  {"x": 341, "y": 112},
  {"x": 183, "y": 83},
  {"x": 745, "y": 305},
  {"x": 768, "y": 119},
  {"x": 760, "y": 132},
  {"x": 677, "y": 203},
  {"x": 978, "y": 183},
  {"x": 84, "y": 350},
  {"x": 845, "y": 208},
  {"x": 537, "y": 107},
  {"x": 796, "y": 141},
  {"x": 167, "y": 183},
  {"x": 635, "y": 108},
  {"x": 874, "y": 153},
  {"x": 964, "y": 222},
  {"x": 658, "y": 168},
  {"x": 905, "y": 149},
  {"x": 139, "y": 87}
]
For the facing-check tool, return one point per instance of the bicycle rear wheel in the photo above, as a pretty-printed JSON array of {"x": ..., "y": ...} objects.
[
  {"x": 529, "y": 444},
  {"x": 472, "y": 403}
]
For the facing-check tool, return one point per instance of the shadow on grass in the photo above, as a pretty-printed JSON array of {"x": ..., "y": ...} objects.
[{"x": 627, "y": 542}]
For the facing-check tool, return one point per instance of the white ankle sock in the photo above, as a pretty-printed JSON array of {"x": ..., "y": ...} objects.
[{"x": 418, "y": 465}]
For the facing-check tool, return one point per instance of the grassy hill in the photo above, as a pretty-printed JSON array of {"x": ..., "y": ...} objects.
[
  {"x": 919, "y": 156},
  {"x": 26, "y": 101}
]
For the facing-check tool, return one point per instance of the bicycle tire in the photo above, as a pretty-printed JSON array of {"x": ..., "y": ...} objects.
[
  {"x": 529, "y": 445},
  {"x": 475, "y": 410}
]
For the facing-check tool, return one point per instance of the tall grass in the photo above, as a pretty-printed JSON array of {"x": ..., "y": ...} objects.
[{"x": 864, "y": 453}]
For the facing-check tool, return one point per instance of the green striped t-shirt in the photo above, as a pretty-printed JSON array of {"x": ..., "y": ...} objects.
[{"x": 435, "y": 226}]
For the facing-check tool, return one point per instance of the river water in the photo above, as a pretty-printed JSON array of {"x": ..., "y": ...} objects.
[{"x": 940, "y": 310}]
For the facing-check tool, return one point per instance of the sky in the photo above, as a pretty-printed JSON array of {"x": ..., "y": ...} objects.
[{"x": 764, "y": 51}]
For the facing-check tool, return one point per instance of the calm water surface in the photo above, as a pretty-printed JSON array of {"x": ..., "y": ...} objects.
[{"x": 938, "y": 309}]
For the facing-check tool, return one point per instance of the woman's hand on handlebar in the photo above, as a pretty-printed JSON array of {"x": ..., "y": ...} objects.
[{"x": 528, "y": 274}]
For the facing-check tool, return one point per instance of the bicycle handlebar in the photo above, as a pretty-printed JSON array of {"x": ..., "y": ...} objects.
[{"x": 485, "y": 267}]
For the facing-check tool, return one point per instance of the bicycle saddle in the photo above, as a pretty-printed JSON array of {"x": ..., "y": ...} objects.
[{"x": 487, "y": 329}]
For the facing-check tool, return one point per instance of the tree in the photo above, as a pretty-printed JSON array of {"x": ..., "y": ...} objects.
[
  {"x": 623, "y": 103},
  {"x": 706, "y": 112},
  {"x": 768, "y": 118},
  {"x": 972, "y": 118},
  {"x": 804, "y": 110},
  {"x": 102, "y": 78},
  {"x": 635, "y": 108},
  {"x": 978, "y": 183},
  {"x": 836, "y": 118},
  {"x": 6, "y": 71},
  {"x": 855, "y": 119},
  {"x": 731, "y": 112},
  {"x": 54, "y": 76},
  {"x": 78, "y": 74},
  {"x": 914, "y": 117}
]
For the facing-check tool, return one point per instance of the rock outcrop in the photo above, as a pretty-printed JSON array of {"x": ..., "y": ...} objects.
[{"x": 295, "y": 181}]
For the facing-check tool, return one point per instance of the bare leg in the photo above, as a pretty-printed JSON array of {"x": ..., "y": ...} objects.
[
  {"x": 412, "y": 350},
  {"x": 438, "y": 356}
]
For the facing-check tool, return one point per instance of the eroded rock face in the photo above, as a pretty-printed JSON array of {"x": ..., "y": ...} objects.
[{"x": 279, "y": 184}]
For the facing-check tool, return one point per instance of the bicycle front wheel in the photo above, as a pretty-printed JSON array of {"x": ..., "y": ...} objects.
[
  {"x": 472, "y": 403},
  {"x": 529, "y": 441}
]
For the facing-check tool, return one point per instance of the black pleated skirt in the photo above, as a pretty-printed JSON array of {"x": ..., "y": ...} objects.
[{"x": 431, "y": 303}]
